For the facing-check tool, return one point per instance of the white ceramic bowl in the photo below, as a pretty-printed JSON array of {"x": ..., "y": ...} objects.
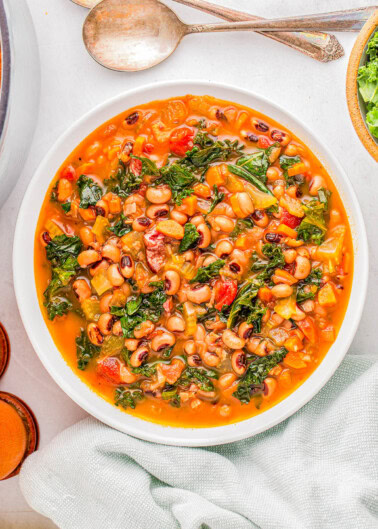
[{"x": 40, "y": 337}]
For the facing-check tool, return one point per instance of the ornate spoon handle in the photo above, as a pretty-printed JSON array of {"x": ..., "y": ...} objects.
[{"x": 320, "y": 46}]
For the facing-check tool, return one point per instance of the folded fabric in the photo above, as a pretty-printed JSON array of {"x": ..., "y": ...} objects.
[{"x": 316, "y": 470}]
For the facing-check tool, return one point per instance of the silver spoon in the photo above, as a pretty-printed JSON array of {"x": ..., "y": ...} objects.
[
  {"x": 322, "y": 47},
  {"x": 130, "y": 35}
]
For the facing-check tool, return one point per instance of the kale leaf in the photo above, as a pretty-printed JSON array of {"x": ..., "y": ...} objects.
[
  {"x": 61, "y": 247},
  {"x": 256, "y": 373},
  {"x": 66, "y": 207},
  {"x": 203, "y": 275},
  {"x": 244, "y": 302},
  {"x": 198, "y": 376},
  {"x": 139, "y": 309},
  {"x": 90, "y": 192},
  {"x": 275, "y": 260},
  {"x": 240, "y": 226},
  {"x": 324, "y": 196},
  {"x": 179, "y": 180},
  {"x": 255, "y": 314},
  {"x": 57, "y": 306},
  {"x": 190, "y": 239},
  {"x": 127, "y": 398},
  {"x": 124, "y": 182},
  {"x": 307, "y": 288},
  {"x": 246, "y": 175},
  {"x": 120, "y": 228},
  {"x": 313, "y": 227},
  {"x": 85, "y": 350},
  {"x": 61, "y": 252},
  {"x": 256, "y": 163},
  {"x": 214, "y": 151},
  {"x": 218, "y": 197}
]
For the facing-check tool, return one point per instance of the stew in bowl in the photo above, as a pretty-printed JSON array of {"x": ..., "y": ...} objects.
[{"x": 193, "y": 261}]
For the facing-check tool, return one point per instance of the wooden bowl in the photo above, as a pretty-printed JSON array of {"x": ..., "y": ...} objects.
[
  {"x": 355, "y": 104},
  {"x": 4, "y": 350}
]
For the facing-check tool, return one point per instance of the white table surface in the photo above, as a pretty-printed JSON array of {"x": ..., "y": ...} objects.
[{"x": 72, "y": 83}]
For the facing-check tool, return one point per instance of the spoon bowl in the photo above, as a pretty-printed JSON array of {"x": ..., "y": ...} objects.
[{"x": 130, "y": 35}]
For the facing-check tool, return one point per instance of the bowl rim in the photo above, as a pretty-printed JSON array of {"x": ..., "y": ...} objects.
[
  {"x": 25, "y": 289},
  {"x": 354, "y": 108},
  {"x": 6, "y": 63}
]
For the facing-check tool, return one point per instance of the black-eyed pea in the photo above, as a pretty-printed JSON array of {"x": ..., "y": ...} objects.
[
  {"x": 226, "y": 380},
  {"x": 111, "y": 252},
  {"x": 223, "y": 248},
  {"x": 239, "y": 362},
  {"x": 144, "y": 329},
  {"x": 273, "y": 174},
  {"x": 200, "y": 333},
  {"x": 159, "y": 194},
  {"x": 162, "y": 341},
  {"x": 194, "y": 360},
  {"x": 117, "y": 329},
  {"x": 157, "y": 211},
  {"x": 127, "y": 266},
  {"x": 190, "y": 347},
  {"x": 131, "y": 344},
  {"x": 179, "y": 216},
  {"x": 242, "y": 204},
  {"x": 81, "y": 289},
  {"x": 270, "y": 385},
  {"x": 105, "y": 323},
  {"x": 260, "y": 218},
  {"x": 102, "y": 208},
  {"x": 317, "y": 183},
  {"x": 139, "y": 356},
  {"x": 223, "y": 223},
  {"x": 302, "y": 267},
  {"x": 100, "y": 265},
  {"x": 94, "y": 334},
  {"x": 88, "y": 257},
  {"x": 141, "y": 223},
  {"x": 210, "y": 359},
  {"x": 232, "y": 340},
  {"x": 291, "y": 150},
  {"x": 114, "y": 275},
  {"x": 197, "y": 220},
  {"x": 86, "y": 235},
  {"x": 290, "y": 255},
  {"x": 225, "y": 410},
  {"x": 208, "y": 260},
  {"x": 281, "y": 291},
  {"x": 206, "y": 395},
  {"x": 199, "y": 294},
  {"x": 175, "y": 324},
  {"x": 253, "y": 344},
  {"x": 303, "y": 252},
  {"x": 205, "y": 236},
  {"x": 105, "y": 303},
  {"x": 245, "y": 330},
  {"x": 263, "y": 348},
  {"x": 172, "y": 282}
]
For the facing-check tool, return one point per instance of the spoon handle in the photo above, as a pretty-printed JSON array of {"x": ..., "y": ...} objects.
[
  {"x": 351, "y": 20},
  {"x": 320, "y": 46}
]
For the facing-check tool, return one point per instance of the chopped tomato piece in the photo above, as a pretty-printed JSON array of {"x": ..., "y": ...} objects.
[
  {"x": 136, "y": 166},
  {"x": 263, "y": 142},
  {"x": 109, "y": 368},
  {"x": 68, "y": 173},
  {"x": 290, "y": 220},
  {"x": 148, "y": 148},
  {"x": 307, "y": 326},
  {"x": 181, "y": 140},
  {"x": 225, "y": 292}
]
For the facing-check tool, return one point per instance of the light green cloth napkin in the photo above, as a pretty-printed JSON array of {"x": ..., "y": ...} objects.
[{"x": 316, "y": 470}]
